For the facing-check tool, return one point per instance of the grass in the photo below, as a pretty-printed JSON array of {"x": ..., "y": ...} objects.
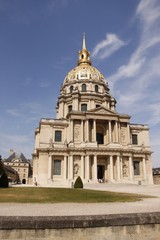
[{"x": 61, "y": 195}]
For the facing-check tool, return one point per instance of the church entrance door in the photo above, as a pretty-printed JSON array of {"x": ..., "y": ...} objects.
[
  {"x": 24, "y": 181},
  {"x": 100, "y": 172}
]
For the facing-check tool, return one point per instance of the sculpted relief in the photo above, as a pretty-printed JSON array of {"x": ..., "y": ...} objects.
[
  {"x": 123, "y": 134},
  {"x": 76, "y": 167},
  {"x": 77, "y": 132},
  {"x": 125, "y": 168}
]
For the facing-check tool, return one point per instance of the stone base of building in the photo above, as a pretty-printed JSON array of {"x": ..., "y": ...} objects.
[{"x": 70, "y": 183}]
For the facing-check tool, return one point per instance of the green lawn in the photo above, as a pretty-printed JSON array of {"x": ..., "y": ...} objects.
[{"x": 61, "y": 195}]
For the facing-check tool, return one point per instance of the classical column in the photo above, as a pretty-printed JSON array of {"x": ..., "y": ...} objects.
[
  {"x": 128, "y": 133},
  {"x": 65, "y": 168},
  {"x": 94, "y": 130},
  {"x": 121, "y": 167},
  {"x": 87, "y": 168},
  {"x": 71, "y": 167},
  {"x": 110, "y": 131},
  {"x": 82, "y": 138},
  {"x": 144, "y": 169},
  {"x": 82, "y": 166},
  {"x": 111, "y": 166},
  {"x": 50, "y": 167},
  {"x": 118, "y": 168},
  {"x": 116, "y": 131},
  {"x": 95, "y": 168},
  {"x": 75, "y": 104},
  {"x": 87, "y": 130},
  {"x": 119, "y": 132},
  {"x": 130, "y": 168},
  {"x": 71, "y": 130}
]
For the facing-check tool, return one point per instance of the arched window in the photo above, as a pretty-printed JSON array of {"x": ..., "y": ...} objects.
[
  {"x": 84, "y": 88},
  {"x": 96, "y": 88},
  {"x": 58, "y": 136},
  {"x": 83, "y": 107},
  {"x": 71, "y": 89}
]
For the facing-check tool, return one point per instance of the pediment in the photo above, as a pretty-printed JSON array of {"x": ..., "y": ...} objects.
[{"x": 103, "y": 110}]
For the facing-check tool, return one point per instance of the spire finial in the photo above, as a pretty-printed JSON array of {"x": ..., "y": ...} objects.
[
  {"x": 84, "y": 41},
  {"x": 84, "y": 55}
]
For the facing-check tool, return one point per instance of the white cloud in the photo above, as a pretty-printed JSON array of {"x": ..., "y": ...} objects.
[
  {"x": 14, "y": 112},
  {"x": 148, "y": 11},
  {"x": 136, "y": 85},
  {"x": 108, "y": 46},
  {"x": 44, "y": 84},
  {"x": 143, "y": 63}
]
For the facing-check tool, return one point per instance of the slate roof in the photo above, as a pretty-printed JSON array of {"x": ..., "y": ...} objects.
[{"x": 16, "y": 155}]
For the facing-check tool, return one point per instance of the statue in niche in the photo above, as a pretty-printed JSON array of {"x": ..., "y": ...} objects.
[
  {"x": 125, "y": 170},
  {"x": 51, "y": 145},
  {"x": 76, "y": 168}
]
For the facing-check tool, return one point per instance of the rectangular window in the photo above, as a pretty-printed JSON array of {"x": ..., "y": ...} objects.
[
  {"x": 58, "y": 136},
  {"x": 70, "y": 108},
  {"x": 57, "y": 167},
  {"x": 134, "y": 139},
  {"x": 136, "y": 165}
]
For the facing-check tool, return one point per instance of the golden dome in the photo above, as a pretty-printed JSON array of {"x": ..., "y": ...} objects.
[{"x": 84, "y": 70}]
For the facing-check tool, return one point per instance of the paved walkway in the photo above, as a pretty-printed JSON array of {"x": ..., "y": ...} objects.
[{"x": 70, "y": 209}]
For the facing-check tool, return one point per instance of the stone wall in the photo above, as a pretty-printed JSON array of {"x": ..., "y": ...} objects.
[{"x": 144, "y": 226}]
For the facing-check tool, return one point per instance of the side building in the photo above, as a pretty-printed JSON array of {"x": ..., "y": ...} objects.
[
  {"x": 20, "y": 164},
  {"x": 89, "y": 138}
]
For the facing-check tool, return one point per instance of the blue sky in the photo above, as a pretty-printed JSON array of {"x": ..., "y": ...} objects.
[{"x": 39, "y": 43}]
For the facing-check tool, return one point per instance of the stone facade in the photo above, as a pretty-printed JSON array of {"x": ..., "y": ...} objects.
[
  {"x": 20, "y": 164},
  {"x": 88, "y": 138}
]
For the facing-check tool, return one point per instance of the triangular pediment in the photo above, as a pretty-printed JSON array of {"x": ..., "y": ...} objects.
[{"x": 103, "y": 110}]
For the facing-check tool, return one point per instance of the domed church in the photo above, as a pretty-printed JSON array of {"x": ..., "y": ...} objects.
[{"x": 88, "y": 138}]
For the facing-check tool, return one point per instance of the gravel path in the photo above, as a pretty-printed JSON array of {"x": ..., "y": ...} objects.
[{"x": 70, "y": 209}]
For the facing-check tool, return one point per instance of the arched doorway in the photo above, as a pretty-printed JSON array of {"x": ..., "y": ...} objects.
[{"x": 23, "y": 181}]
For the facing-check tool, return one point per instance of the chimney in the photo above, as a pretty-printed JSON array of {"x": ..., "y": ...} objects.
[{"x": 11, "y": 151}]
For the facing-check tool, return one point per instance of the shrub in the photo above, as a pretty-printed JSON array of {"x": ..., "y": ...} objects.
[
  {"x": 3, "y": 180},
  {"x": 3, "y": 176},
  {"x": 78, "y": 183}
]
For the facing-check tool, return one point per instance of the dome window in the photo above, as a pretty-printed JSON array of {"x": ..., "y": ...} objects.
[
  {"x": 71, "y": 89},
  {"x": 96, "y": 88},
  {"x": 84, "y": 88},
  {"x": 69, "y": 108},
  {"x": 83, "y": 107},
  {"x": 97, "y": 105}
]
